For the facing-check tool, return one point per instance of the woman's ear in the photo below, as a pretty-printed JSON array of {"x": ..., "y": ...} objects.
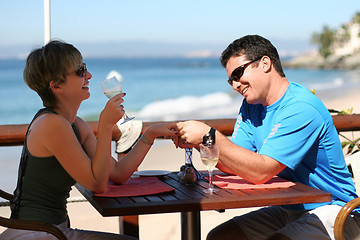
[{"x": 56, "y": 87}]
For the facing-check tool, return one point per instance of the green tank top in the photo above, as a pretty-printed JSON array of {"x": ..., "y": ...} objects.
[{"x": 43, "y": 186}]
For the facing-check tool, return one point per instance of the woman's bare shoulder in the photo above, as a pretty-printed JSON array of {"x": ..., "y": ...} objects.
[{"x": 49, "y": 120}]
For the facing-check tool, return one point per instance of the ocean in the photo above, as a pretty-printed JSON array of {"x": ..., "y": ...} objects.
[
  {"x": 160, "y": 89},
  {"x": 157, "y": 89}
]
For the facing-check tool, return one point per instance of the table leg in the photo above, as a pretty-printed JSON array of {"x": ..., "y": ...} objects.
[
  {"x": 190, "y": 225},
  {"x": 129, "y": 225}
]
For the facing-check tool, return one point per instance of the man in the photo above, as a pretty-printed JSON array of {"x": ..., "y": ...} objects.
[{"x": 282, "y": 129}]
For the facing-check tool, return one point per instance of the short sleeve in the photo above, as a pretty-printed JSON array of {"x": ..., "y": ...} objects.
[
  {"x": 294, "y": 134},
  {"x": 243, "y": 135}
]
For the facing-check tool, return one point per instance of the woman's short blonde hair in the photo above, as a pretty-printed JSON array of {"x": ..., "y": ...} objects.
[{"x": 50, "y": 63}]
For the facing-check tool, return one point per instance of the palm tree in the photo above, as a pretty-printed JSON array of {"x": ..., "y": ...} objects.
[{"x": 324, "y": 40}]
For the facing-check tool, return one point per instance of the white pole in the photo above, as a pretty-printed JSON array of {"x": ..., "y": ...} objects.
[{"x": 47, "y": 22}]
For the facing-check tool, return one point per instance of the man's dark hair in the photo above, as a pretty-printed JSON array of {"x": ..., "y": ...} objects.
[{"x": 252, "y": 47}]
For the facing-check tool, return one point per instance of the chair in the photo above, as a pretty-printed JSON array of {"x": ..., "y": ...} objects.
[
  {"x": 341, "y": 217},
  {"x": 29, "y": 225},
  {"x": 354, "y": 161}
]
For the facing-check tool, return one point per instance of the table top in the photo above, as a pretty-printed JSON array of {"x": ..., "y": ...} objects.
[{"x": 189, "y": 198}]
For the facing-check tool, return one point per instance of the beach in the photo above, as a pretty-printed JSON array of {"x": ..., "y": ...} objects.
[
  {"x": 162, "y": 156},
  {"x": 348, "y": 100}
]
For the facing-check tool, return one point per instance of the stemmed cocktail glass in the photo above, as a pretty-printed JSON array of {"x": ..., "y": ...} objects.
[
  {"x": 112, "y": 86},
  {"x": 209, "y": 156}
]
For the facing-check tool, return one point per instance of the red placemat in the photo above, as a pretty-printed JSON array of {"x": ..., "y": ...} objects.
[
  {"x": 236, "y": 182},
  {"x": 136, "y": 187}
]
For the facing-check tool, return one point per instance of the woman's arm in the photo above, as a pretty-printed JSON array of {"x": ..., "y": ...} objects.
[
  {"x": 52, "y": 135},
  {"x": 124, "y": 168},
  {"x": 88, "y": 162}
]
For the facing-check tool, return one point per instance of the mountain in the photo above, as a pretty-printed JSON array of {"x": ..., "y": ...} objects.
[{"x": 137, "y": 48}]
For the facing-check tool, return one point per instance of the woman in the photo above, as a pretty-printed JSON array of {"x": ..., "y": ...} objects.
[{"x": 60, "y": 148}]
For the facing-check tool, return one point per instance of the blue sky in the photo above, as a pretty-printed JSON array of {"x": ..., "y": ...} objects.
[{"x": 183, "y": 21}]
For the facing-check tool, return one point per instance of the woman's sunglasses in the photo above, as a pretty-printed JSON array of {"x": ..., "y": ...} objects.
[
  {"x": 239, "y": 71},
  {"x": 81, "y": 71}
]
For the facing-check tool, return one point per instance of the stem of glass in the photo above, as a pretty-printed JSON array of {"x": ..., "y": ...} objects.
[
  {"x": 210, "y": 181},
  {"x": 125, "y": 116}
]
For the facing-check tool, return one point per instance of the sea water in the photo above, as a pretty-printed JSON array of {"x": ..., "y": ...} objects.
[{"x": 160, "y": 89}]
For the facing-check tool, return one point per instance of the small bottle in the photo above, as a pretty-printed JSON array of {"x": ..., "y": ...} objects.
[
  {"x": 189, "y": 176},
  {"x": 188, "y": 163},
  {"x": 181, "y": 173},
  {"x": 188, "y": 156},
  {"x": 187, "y": 173}
]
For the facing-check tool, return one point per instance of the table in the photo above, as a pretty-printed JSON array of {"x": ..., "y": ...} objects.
[{"x": 190, "y": 200}]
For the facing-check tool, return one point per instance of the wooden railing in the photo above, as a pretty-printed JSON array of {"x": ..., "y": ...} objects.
[{"x": 13, "y": 135}]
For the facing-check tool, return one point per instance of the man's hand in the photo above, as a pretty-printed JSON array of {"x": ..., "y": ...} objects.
[{"x": 191, "y": 132}]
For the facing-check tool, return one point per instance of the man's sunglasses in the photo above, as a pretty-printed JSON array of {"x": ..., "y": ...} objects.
[
  {"x": 81, "y": 71},
  {"x": 239, "y": 71}
]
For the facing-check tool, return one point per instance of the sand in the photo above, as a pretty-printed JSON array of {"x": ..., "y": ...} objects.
[
  {"x": 164, "y": 156},
  {"x": 348, "y": 100}
]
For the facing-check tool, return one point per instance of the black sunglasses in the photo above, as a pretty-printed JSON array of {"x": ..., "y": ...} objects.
[
  {"x": 239, "y": 71},
  {"x": 81, "y": 71}
]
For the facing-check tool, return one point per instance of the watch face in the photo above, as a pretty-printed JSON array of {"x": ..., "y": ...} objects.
[{"x": 209, "y": 138}]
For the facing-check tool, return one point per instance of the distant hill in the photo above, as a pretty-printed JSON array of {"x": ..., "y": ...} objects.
[
  {"x": 137, "y": 48},
  {"x": 339, "y": 48},
  {"x": 315, "y": 61}
]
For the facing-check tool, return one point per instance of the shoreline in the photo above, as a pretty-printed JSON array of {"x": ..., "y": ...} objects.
[{"x": 313, "y": 60}]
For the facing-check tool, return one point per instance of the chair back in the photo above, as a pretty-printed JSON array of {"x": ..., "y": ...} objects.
[{"x": 27, "y": 225}]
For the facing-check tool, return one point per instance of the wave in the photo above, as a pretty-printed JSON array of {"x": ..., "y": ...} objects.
[
  {"x": 214, "y": 105},
  {"x": 336, "y": 83}
]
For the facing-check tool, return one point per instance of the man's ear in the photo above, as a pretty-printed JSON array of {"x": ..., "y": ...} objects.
[
  {"x": 266, "y": 63},
  {"x": 56, "y": 87}
]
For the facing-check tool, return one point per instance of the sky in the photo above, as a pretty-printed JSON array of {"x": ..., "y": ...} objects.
[{"x": 170, "y": 21}]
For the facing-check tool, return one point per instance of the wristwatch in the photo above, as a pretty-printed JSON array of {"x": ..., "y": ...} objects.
[
  {"x": 209, "y": 138},
  {"x": 211, "y": 133}
]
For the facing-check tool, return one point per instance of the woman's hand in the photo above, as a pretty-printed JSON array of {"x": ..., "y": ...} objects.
[
  {"x": 125, "y": 166},
  {"x": 166, "y": 130},
  {"x": 180, "y": 143},
  {"x": 113, "y": 110}
]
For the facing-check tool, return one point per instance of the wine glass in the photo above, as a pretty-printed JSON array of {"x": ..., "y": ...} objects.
[
  {"x": 209, "y": 156},
  {"x": 112, "y": 86}
]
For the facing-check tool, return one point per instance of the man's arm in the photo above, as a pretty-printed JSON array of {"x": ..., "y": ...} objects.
[{"x": 234, "y": 159}]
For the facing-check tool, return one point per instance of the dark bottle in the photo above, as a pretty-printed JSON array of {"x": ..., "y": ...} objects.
[{"x": 187, "y": 172}]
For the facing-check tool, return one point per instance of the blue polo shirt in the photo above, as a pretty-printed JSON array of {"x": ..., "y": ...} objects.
[{"x": 298, "y": 131}]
